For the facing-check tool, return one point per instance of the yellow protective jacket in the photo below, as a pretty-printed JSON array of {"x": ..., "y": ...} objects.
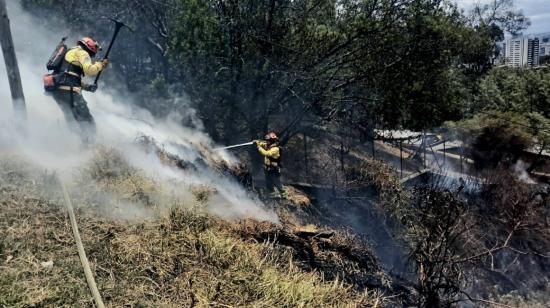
[
  {"x": 80, "y": 57},
  {"x": 272, "y": 156},
  {"x": 77, "y": 63}
]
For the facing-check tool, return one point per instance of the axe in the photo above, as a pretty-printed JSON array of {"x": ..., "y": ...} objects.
[{"x": 118, "y": 26}]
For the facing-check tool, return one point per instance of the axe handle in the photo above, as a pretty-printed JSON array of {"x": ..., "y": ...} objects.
[{"x": 117, "y": 29}]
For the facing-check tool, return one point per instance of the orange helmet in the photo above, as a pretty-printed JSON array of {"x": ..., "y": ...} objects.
[
  {"x": 271, "y": 136},
  {"x": 89, "y": 45}
]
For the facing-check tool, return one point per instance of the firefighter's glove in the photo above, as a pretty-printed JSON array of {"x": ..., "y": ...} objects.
[{"x": 104, "y": 63}]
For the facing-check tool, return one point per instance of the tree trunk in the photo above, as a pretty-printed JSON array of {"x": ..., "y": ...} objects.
[{"x": 12, "y": 68}]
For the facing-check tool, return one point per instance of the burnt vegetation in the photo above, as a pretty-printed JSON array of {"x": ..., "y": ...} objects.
[{"x": 325, "y": 74}]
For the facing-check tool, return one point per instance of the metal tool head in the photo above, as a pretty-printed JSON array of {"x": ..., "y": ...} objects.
[{"x": 120, "y": 24}]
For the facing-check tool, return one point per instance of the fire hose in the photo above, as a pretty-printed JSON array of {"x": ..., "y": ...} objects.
[
  {"x": 235, "y": 146},
  {"x": 81, "y": 253}
]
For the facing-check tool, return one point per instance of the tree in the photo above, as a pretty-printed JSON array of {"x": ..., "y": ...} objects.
[
  {"x": 499, "y": 15},
  {"x": 452, "y": 237},
  {"x": 516, "y": 90},
  {"x": 496, "y": 140},
  {"x": 250, "y": 66}
]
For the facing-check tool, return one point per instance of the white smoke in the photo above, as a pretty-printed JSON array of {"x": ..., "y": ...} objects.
[
  {"x": 52, "y": 145},
  {"x": 520, "y": 170}
]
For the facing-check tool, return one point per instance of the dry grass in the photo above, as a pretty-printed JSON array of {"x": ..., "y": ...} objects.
[
  {"x": 184, "y": 258},
  {"x": 297, "y": 197},
  {"x": 108, "y": 171}
]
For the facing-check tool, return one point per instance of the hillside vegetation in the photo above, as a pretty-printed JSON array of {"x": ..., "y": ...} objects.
[{"x": 177, "y": 257}]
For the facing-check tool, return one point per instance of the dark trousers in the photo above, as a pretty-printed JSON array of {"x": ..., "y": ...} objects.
[
  {"x": 75, "y": 109},
  {"x": 273, "y": 181}
]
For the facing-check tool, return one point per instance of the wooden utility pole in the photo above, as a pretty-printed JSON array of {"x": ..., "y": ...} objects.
[{"x": 12, "y": 68}]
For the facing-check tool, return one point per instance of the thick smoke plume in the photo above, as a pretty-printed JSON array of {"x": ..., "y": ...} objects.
[{"x": 50, "y": 143}]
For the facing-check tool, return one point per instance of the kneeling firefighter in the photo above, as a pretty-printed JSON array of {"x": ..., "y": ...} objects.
[
  {"x": 271, "y": 152},
  {"x": 66, "y": 83}
]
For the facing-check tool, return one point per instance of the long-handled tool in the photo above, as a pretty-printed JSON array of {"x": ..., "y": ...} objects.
[
  {"x": 235, "y": 146},
  {"x": 118, "y": 26}
]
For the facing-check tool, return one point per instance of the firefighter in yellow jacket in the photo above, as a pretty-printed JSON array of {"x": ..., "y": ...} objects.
[
  {"x": 271, "y": 152},
  {"x": 78, "y": 63}
]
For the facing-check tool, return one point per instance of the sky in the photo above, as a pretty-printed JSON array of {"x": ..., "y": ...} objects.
[{"x": 538, "y": 12}]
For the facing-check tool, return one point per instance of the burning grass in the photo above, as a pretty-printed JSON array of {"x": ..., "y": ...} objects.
[{"x": 183, "y": 258}]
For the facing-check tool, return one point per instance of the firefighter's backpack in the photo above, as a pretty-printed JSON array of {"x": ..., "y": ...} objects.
[{"x": 54, "y": 64}]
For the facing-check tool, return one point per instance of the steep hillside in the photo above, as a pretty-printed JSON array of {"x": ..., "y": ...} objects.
[{"x": 169, "y": 254}]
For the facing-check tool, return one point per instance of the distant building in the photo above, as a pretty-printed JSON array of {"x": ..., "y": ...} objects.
[
  {"x": 523, "y": 51},
  {"x": 544, "y": 43},
  {"x": 533, "y": 52},
  {"x": 516, "y": 52}
]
